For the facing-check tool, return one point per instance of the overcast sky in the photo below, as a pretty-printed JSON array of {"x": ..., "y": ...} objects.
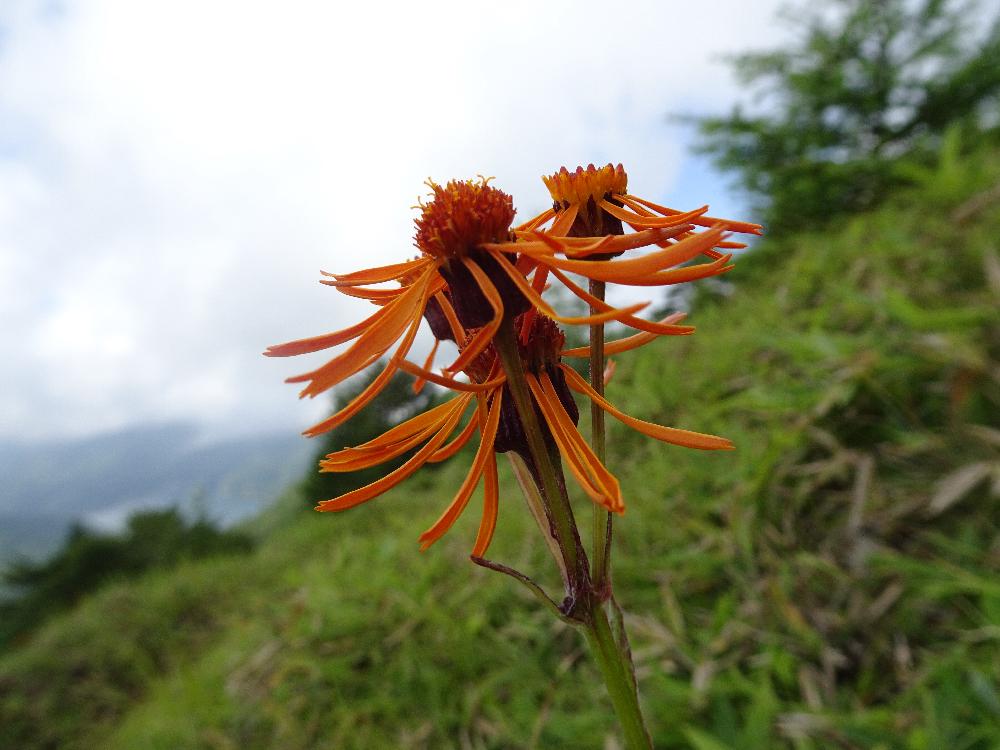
[{"x": 173, "y": 175}]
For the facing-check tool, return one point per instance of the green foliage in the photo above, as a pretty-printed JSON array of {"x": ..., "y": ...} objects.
[
  {"x": 88, "y": 560},
  {"x": 84, "y": 671},
  {"x": 830, "y": 584},
  {"x": 862, "y": 97}
]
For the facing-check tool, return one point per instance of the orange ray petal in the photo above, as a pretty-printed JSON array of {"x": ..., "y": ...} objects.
[
  {"x": 581, "y": 247},
  {"x": 454, "y": 510},
  {"x": 377, "y": 275},
  {"x": 376, "y": 488},
  {"x": 393, "y": 443},
  {"x": 373, "y": 389},
  {"x": 604, "y": 478},
  {"x": 743, "y": 227},
  {"x": 491, "y": 507},
  {"x": 648, "y": 222},
  {"x": 354, "y": 459},
  {"x": 536, "y": 299},
  {"x": 370, "y": 345},
  {"x": 538, "y": 281},
  {"x": 457, "y": 331},
  {"x": 629, "y": 320},
  {"x": 443, "y": 454},
  {"x": 543, "y": 244},
  {"x": 420, "y": 381},
  {"x": 564, "y": 221},
  {"x": 378, "y": 296},
  {"x": 687, "y": 273},
  {"x": 671, "y": 435},
  {"x": 538, "y": 284},
  {"x": 609, "y": 371},
  {"x": 456, "y": 385},
  {"x": 525, "y": 264},
  {"x": 535, "y": 222},
  {"x": 482, "y": 338},
  {"x": 654, "y": 262},
  {"x": 711, "y": 253},
  {"x": 434, "y": 417},
  {"x": 632, "y": 342},
  {"x": 355, "y": 405},
  {"x": 325, "y": 341},
  {"x": 596, "y": 482}
]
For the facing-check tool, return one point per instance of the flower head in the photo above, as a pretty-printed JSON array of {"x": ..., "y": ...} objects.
[
  {"x": 587, "y": 201},
  {"x": 460, "y": 216},
  {"x": 452, "y": 227},
  {"x": 584, "y": 185},
  {"x": 580, "y": 193},
  {"x": 441, "y": 284}
]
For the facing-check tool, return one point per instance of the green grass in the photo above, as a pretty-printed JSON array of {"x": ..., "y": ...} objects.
[{"x": 832, "y": 584}]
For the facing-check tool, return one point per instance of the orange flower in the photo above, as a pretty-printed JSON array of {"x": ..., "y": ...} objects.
[
  {"x": 595, "y": 203},
  {"x": 474, "y": 272},
  {"x": 458, "y": 218},
  {"x": 590, "y": 199},
  {"x": 498, "y": 426}
]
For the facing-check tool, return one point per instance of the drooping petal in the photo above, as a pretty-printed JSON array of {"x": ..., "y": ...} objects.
[
  {"x": 538, "y": 284},
  {"x": 542, "y": 244},
  {"x": 744, "y": 227},
  {"x": 375, "y": 296},
  {"x": 687, "y": 273},
  {"x": 662, "y": 329},
  {"x": 457, "y": 332},
  {"x": 536, "y": 299},
  {"x": 648, "y": 222},
  {"x": 482, "y": 338},
  {"x": 377, "y": 275},
  {"x": 632, "y": 342},
  {"x": 434, "y": 418},
  {"x": 454, "y": 510},
  {"x": 372, "y": 344},
  {"x": 609, "y": 371},
  {"x": 445, "y": 452},
  {"x": 671, "y": 435},
  {"x": 564, "y": 221},
  {"x": 327, "y": 340},
  {"x": 491, "y": 506},
  {"x": 624, "y": 271},
  {"x": 355, "y": 459},
  {"x": 420, "y": 381},
  {"x": 376, "y": 488},
  {"x": 595, "y": 480},
  {"x": 536, "y": 221},
  {"x": 370, "y": 392},
  {"x": 451, "y": 383}
]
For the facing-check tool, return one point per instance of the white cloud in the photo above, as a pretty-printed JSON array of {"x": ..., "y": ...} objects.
[{"x": 174, "y": 174}]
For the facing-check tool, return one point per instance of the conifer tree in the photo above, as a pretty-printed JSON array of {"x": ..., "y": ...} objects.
[{"x": 865, "y": 86}]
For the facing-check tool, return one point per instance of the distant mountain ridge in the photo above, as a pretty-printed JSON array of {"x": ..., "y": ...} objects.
[{"x": 100, "y": 480}]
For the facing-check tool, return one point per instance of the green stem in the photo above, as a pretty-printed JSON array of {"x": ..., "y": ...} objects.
[
  {"x": 616, "y": 668},
  {"x": 553, "y": 492},
  {"x": 586, "y": 607},
  {"x": 602, "y": 523}
]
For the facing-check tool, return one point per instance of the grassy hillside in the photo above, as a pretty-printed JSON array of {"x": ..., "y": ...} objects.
[{"x": 832, "y": 584}]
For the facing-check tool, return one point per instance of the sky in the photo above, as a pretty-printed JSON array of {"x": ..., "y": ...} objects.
[{"x": 174, "y": 175}]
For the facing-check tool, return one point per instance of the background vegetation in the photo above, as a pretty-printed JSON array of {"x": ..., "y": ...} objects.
[
  {"x": 831, "y": 584},
  {"x": 840, "y": 118},
  {"x": 89, "y": 560}
]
